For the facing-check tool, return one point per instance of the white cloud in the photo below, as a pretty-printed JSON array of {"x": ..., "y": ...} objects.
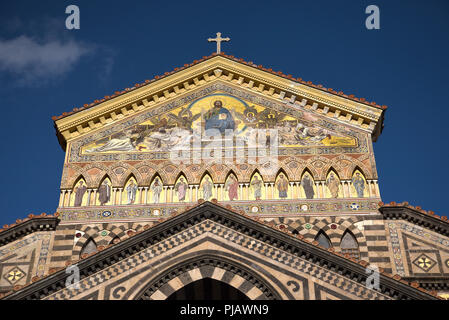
[{"x": 33, "y": 61}]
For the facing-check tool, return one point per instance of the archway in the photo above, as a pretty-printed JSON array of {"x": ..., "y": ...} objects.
[
  {"x": 208, "y": 266},
  {"x": 208, "y": 289}
]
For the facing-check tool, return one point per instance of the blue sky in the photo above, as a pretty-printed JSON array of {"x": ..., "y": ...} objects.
[{"x": 46, "y": 69}]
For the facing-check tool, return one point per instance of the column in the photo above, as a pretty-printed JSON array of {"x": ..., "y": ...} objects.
[
  {"x": 291, "y": 190},
  {"x": 88, "y": 197},
  {"x": 376, "y": 185},
  {"x": 297, "y": 190},
  {"x": 240, "y": 191},
  {"x": 146, "y": 195},
  {"x": 61, "y": 198},
  {"x": 95, "y": 197},
  {"x": 247, "y": 191},
  {"x": 318, "y": 190},
  {"x": 368, "y": 182},
  {"x": 221, "y": 192},
  {"x": 216, "y": 191},
  {"x": 114, "y": 196},
  {"x": 171, "y": 194},
  {"x": 191, "y": 193},
  {"x": 266, "y": 189},
  {"x": 196, "y": 192},
  {"x": 69, "y": 194},
  {"x": 348, "y": 187},
  {"x": 140, "y": 193},
  {"x": 120, "y": 195},
  {"x": 271, "y": 191},
  {"x": 166, "y": 193}
]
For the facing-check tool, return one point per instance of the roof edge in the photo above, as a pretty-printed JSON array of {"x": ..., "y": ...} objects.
[{"x": 356, "y": 268}]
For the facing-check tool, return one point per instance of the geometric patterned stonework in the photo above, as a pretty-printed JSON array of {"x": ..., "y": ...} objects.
[
  {"x": 211, "y": 242},
  {"x": 418, "y": 252},
  {"x": 24, "y": 259},
  {"x": 266, "y": 208},
  {"x": 124, "y": 279}
]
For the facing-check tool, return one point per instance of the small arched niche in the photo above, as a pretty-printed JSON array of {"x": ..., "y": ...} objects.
[
  {"x": 79, "y": 196},
  {"x": 130, "y": 193},
  {"x": 89, "y": 247},
  {"x": 282, "y": 186},
  {"x": 333, "y": 186},
  {"x": 181, "y": 189},
  {"x": 231, "y": 187},
  {"x": 157, "y": 191},
  {"x": 256, "y": 188},
  {"x": 308, "y": 188},
  {"x": 323, "y": 239},
  {"x": 349, "y": 245},
  {"x": 207, "y": 190},
  {"x": 359, "y": 186},
  {"x": 104, "y": 192}
]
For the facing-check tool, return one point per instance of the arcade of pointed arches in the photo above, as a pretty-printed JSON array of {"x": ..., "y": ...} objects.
[{"x": 258, "y": 187}]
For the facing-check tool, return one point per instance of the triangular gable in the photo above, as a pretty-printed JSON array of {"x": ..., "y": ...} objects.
[
  {"x": 260, "y": 81},
  {"x": 279, "y": 265}
]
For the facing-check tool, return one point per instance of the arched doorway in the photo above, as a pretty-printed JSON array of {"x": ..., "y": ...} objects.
[{"x": 208, "y": 289}]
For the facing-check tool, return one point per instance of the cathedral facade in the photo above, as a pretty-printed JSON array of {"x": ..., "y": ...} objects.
[{"x": 224, "y": 180}]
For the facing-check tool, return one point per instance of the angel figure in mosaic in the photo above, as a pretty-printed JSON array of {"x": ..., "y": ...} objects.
[
  {"x": 249, "y": 116},
  {"x": 307, "y": 134},
  {"x": 184, "y": 119},
  {"x": 359, "y": 184},
  {"x": 333, "y": 184},
  {"x": 157, "y": 189},
  {"x": 271, "y": 118},
  {"x": 126, "y": 142}
]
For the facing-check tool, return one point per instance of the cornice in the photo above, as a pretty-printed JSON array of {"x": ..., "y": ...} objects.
[
  {"x": 415, "y": 215},
  {"x": 21, "y": 228},
  {"x": 390, "y": 285},
  {"x": 286, "y": 90}
]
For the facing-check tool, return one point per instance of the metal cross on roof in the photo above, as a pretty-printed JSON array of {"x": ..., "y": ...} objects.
[{"x": 218, "y": 40}]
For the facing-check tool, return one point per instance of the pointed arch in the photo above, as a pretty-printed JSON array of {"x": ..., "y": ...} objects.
[
  {"x": 281, "y": 182},
  {"x": 231, "y": 186},
  {"x": 256, "y": 189},
  {"x": 333, "y": 184},
  {"x": 79, "y": 195},
  {"x": 237, "y": 273},
  {"x": 89, "y": 247},
  {"x": 206, "y": 188},
  {"x": 349, "y": 244},
  {"x": 130, "y": 194},
  {"x": 156, "y": 191},
  {"x": 104, "y": 191},
  {"x": 181, "y": 188},
  {"x": 359, "y": 186},
  {"x": 323, "y": 239},
  {"x": 308, "y": 188}
]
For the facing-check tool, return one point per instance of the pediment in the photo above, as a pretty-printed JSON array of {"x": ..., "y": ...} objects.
[
  {"x": 189, "y": 240},
  {"x": 194, "y": 80},
  {"x": 228, "y": 111}
]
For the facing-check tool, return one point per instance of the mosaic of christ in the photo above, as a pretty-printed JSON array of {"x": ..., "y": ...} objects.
[{"x": 212, "y": 115}]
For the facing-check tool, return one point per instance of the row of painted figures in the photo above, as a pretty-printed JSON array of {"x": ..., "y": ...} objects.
[{"x": 231, "y": 187}]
